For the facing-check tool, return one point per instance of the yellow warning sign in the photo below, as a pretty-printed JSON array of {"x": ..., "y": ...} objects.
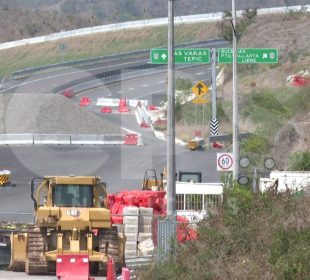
[
  {"x": 200, "y": 89},
  {"x": 200, "y": 100}
]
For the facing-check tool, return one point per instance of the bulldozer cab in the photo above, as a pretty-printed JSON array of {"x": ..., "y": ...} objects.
[
  {"x": 68, "y": 191},
  {"x": 73, "y": 196}
]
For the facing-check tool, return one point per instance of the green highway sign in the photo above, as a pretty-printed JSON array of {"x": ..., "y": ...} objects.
[
  {"x": 190, "y": 56},
  {"x": 249, "y": 55}
]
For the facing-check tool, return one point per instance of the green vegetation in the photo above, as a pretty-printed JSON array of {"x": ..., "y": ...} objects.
[
  {"x": 251, "y": 236},
  {"x": 248, "y": 17},
  {"x": 270, "y": 109},
  {"x": 300, "y": 161}
]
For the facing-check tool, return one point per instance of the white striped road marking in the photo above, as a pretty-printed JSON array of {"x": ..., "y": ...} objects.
[
  {"x": 161, "y": 82},
  {"x": 145, "y": 85},
  {"x": 131, "y": 89},
  {"x": 200, "y": 73}
]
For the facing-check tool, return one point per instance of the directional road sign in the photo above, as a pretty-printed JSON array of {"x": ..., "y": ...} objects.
[
  {"x": 200, "y": 100},
  {"x": 200, "y": 89},
  {"x": 224, "y": 162},
  {"x": 185, "y": 56},
  {"x": 248, "y": 55}
]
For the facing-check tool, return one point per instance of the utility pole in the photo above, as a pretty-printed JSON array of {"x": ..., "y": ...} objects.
[
  {"x": 214, "y": 84},
  {"x": 235, "y": 96},
  {"x": 171, "y": 207}
]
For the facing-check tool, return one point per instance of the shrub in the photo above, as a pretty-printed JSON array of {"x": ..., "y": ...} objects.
[{"x": 300, "y": 161}]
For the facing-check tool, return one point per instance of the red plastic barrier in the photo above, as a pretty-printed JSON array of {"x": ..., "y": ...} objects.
[
  {"x": 131, "y": 139},
  {"x": 122, "y": 103},
  {"x": 152, "y": 108},
  {"x": 106, "y": 110},
  {"x": 144, "y": 124},
  {"x": 68, "y": 92},
  {"x": 84, "y": 101},
  {"x": 125, "y": 273},
  {"x": 72, "y": 266},
  {"x": 184, "y": 232},
  {"x": 217, "y": 145},
  {"x": 299, "y": 81},
  {"x": 123, "y": 109},
  {"x": 111, "y": 273}
]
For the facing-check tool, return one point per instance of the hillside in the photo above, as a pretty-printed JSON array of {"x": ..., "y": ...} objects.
[{"x": 24, "y": 19}]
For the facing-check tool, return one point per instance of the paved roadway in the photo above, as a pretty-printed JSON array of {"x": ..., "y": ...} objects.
[{"x": 120, "y": 166}]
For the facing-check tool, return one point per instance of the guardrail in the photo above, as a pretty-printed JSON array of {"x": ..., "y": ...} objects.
[
  {"x": 227, "y": 137},
  {"x": 61, "y": 139},
  {"x": 137, "y": 24},
  {"x": 29, "y": 71}
]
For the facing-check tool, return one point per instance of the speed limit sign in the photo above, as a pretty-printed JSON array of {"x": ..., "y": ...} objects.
[{"x": 224, "y": 162}]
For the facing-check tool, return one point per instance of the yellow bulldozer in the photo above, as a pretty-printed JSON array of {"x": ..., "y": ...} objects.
[{"x": 72, "y": 220}]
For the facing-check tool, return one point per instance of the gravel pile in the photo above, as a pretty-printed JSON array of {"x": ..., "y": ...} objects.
[{"x": 48, "y": 114}]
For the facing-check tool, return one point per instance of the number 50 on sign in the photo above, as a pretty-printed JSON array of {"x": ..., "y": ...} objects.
[{"x": 224, "y": 162}]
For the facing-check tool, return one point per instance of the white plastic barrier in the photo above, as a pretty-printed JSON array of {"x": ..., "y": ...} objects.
[
  {"x": 49, "y": 139},
  {"x": 16, "y": 139},
  {"x": 145, "y": 115},
  {"x": 138, "y": 117},
  {"x": 137, "y": 24},
  {"x": 134, "y": 102},
  {"x": 112, "y": 102}
]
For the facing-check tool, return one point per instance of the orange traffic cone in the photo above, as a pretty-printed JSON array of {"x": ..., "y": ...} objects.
[
  {"x": 125, "y": 273},
  {"x": 111, "y": 274}
]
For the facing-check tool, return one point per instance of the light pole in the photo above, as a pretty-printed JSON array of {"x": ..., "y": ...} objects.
[
  {"x": 235, "y": 96},
  {"x": 171, "y": 207}
]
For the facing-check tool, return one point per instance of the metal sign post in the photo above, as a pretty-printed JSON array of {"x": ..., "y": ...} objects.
[
  {"x": 235, "y": 126},
  {"x": 214, "y": 122},
  {"x": 171, "y": 205}
]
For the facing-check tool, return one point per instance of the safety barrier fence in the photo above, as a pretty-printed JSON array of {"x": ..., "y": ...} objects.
[
  {"x": 83, "y": 62},
  {"x": 61, "y": 139}
]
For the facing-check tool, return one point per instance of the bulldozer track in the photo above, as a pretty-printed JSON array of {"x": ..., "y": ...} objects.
[
  {"x": 36, "y": 262},
  {"x": 109, "y": 237}
]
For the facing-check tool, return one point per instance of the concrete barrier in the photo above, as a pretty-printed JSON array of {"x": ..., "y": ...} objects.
[
  {"x": 16, "y": 139},
  {"x": 95, "y": 139},
  {"x": 51, "y": 139}
]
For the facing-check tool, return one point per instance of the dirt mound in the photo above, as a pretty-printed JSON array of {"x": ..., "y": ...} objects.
[{"x": 48, "y": 114}]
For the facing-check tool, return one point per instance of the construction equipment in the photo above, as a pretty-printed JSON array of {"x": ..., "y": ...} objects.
[
  {"x": 190, "y": 176},
  {"x": 196, "y": 143},
  {"x": 5, "y": 178},
  {"x": 151, "y": 182},
  {"x": 72, "y": 219}
]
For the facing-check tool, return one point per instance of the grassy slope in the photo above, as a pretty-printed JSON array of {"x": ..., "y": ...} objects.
[{"x": 99, "y": 44}]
